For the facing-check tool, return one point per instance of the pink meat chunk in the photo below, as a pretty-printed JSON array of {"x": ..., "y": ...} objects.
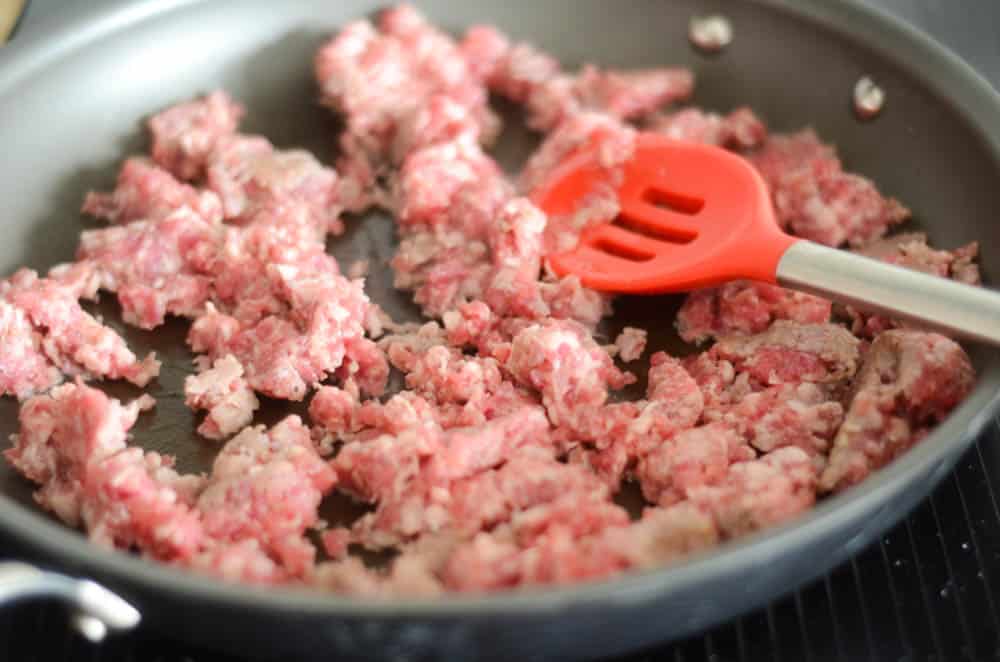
[
  {"x": 60, "y": 433},
  {"x": 135, "y": 499},
  {"x": 225, "y": 395},
  {"x": 674, "y": 401},
  {"x": 483, "y": 47},
  {"x": 910, "y": 250},
  {"x": 24, "y": 367},
  {"x": 146, "y": 191},
  {"x": 630, "y": 343},
  {"x": 663, "y": 535},
  {"x": 247, "y": 268},
  {"x": 392, "y": 82},
  {"x": 411, "y": 574},
  {"x": 156, "y": 267},
  {"x": 692, "y": 459},
  {"x": 466, "y": 451},
  {"x": 432, "y": 179},
  {"x": 448, "y": 192},
  {"x": 442, "y": 120},
  {"x": 485, "y": 243},
  {"x": 266, "y": 485},
  {"x": 814, "y": 198},
  {"x": 789, "y": 352},
  {"x": 631, "y": 94},
  {"x": 746, "y": 307},
  {"x": 333, "y": 411},
  {"x": 448, "y": 196},
  {"x": 366, "y": 364},
  {"x": 407, "y": 408},
  {"x": 336, "y": 541},
  {"x": 535, "y": 79},
  {"x": 567, "y": 516},
  {"x": 443, "y": 375},
  {"x": 409, "y": 476},
  {"x": 614, "y": 144},
  {"x": 739, "y": 130},
  {"x": 316, "y": 313},
  {"x": 185, "y": 134},
  {"x": 801, "y": 415},
  {"x": 567, "y": 298},
  {"x": 909, "y": 381},
  {"x": 443, "y": 268},
  {"x": 760, "y": 493},
  {"x": 381, "y": 468},
  {"x": 562, "y": 361},
  {"x": 73, "y": 340},
  {"x": 516, "y": 244},
  {"x": 612, "y": 464},
  {"x": 492, "y": 561},
  {"x": 620, "y": 434},
  {"x": 786, "y": 355},
  {"x": 72, "y": 442},
  {"x": 248, "y": 174},
  {"x": 553, "y": 543},
  {"x": 377, "y": 470},
  {"x": 614, "y": 141},
  {"x": 243, "y": 561}
]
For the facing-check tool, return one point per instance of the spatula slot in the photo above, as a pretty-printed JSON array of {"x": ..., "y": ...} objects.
[
  {"x": 624, "y": 252},
  {"x": 678, "y": 202},
  {"x": 652, "y": 229}
]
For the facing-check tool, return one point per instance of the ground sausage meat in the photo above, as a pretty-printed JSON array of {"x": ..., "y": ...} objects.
[
  {"x": 225, "y": 395},
  {"x": 909, "y": 381},
  {"x": 740, "y": 129},
  {"x": 815, "y": 198},
  {"x": 266, "y": 485},
  {"x": 184, "y": 135},
  {"x": 147, "y": 191},
  {"x": 72, "y": 340},
  {"x": 745, "y": 307},
  {"x": 492, "y": 444},
  {"x": 72, "y": 442}
]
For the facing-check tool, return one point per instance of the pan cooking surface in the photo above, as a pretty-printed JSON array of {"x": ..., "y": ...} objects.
[
  {"x": 275, "y": 83},
  {"x": 266, "y": 65}
]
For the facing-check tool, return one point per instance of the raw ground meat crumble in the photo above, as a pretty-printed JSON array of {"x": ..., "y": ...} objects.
[{"x": 498, "y": 463}]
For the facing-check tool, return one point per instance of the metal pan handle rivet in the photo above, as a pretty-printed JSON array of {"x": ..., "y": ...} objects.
[
  {"x": 97, "y": 610},
  {"x": 869, "y": 98},
  {"x": 710, "y": 34}
]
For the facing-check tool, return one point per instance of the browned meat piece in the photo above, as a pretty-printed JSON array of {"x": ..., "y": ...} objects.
[{"x": 910, "y": 380}]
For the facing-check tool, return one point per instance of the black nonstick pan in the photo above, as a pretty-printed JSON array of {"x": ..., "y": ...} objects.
[{"x": 71, "y": 105}]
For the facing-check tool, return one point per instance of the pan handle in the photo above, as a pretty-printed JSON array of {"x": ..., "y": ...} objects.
[{"x": 96, "y": 609}]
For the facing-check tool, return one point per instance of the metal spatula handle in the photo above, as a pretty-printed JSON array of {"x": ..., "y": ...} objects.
[{"x": 960, "y": 310}]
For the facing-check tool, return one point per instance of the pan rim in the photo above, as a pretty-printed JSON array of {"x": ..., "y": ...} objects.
[{"x": 974, "y": 101}]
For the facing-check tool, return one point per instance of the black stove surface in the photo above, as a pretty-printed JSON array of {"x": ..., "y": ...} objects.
[{"x": 928, "y": 590}]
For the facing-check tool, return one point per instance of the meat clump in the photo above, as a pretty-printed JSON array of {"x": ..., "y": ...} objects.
[
  {"x": 225, "y": 395},
  {"x": 816, "y": 199}
]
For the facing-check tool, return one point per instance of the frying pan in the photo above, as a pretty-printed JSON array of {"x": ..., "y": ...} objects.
[{"x": 71, "y": 104}]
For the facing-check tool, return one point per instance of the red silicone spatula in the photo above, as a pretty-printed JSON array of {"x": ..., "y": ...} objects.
[{"x": 693, "y": 216}]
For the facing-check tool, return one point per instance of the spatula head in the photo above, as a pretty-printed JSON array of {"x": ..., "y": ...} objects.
[{"x": 689, "y": 216}]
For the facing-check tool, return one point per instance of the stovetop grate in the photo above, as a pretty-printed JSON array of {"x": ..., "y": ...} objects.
[{"x": 928, "y": 590}]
